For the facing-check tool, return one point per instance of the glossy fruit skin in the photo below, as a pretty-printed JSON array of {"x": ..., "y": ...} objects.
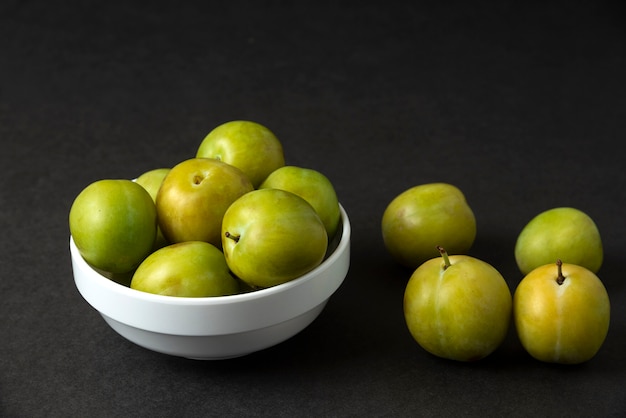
[
  {"x": 312, "y": 186},
  {"x": 194, "y": 196},
  {"x": 279, "y": 237},
  {"x": 151, "y": 181},
  {"x": 564, "y": 233},
  {"x": 459, "y": 313},
  {"x": 186, "y": 269},
  {"x": 247, "y": 145},
  {"x": 425, "y": 216},
  {"x": 565, "y": 323},
  {"x": 113, "y": 223}
]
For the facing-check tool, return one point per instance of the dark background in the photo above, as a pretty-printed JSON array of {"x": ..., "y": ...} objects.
[{"x": 522, "y": 105}]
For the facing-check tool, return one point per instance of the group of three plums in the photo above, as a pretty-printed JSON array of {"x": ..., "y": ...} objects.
[
  {"x": 231, "y": 219},
  {"x": 459, "y": 307}
]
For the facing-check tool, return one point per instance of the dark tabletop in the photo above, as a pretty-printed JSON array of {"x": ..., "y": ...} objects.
[{"x": 522, "y": 106}]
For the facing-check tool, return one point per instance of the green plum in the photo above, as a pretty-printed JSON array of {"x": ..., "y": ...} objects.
[
  {"x": 424, "y": 216},
  {"x": 312, "y": 186},
  {"x": 562, "y": 313},
  {"x": 565, "y": 233},
  {"x": 186, "y": 269},
  {"x": 271, "y": 236},
  {"x": 194, "y": 196},
  {"x": 247, "y": 145},
  {"x": 151, "y": 181},
  {"x": 457, "y": 307},
  {"x": 114, "y": 225}
]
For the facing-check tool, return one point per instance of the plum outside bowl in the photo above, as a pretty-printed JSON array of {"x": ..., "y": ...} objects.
[{"x": 212, "y": 328}]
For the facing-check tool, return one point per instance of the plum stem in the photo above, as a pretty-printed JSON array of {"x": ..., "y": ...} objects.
[
  {"x": 559, "y": 268},
  {"x": 444, "y": 254},
  {"x": 231, "y": 236}
]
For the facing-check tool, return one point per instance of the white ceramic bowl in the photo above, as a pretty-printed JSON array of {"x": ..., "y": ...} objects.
[{"x": 216, "y": 327}]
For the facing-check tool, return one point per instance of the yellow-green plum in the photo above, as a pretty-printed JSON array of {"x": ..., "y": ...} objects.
[
  {"x": 151, "y": 180},
  {"x": 312, "y": 186},
  {"x": 185, "y": 269},
  {"x": 457, "y": 307},
  {"x": 565, "y": 233},
  {"x": 247, "y": 145},
  {"x": 425, "y": 216},
  {"x": 561, "y": 313},
  {"x": 113, "y": 224},
  {"x": 194, "y": 196},
  {"x": 271, "y": 236}
]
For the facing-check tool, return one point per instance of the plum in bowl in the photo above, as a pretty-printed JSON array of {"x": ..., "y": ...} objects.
[{"x": 212, "y": 328}]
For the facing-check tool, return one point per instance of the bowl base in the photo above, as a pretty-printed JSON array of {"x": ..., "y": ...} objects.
[{"x": 198, "y": 347}]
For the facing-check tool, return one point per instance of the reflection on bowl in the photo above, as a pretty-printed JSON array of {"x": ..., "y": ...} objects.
[{"x": 216, "y": 327}]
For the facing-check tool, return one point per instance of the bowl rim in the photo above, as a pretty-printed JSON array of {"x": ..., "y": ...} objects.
[{"x": 344, "y": 242}]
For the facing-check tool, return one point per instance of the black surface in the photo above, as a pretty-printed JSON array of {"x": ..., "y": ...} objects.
[{"x": 523, "y": 106}]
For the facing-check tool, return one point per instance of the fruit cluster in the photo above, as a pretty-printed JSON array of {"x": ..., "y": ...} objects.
[
  {"x": 460, "y": 308},
  {"x": 233, "y": 218}
]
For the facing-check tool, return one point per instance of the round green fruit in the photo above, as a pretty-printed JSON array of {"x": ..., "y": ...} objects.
[
  {"x": 457, "y": 307},
  {"x": 424, "y": 216},
  {"x": 561, "y": 233},
  {"x": 186, "y": 269},
  {"x": 194, "y": 196},
  {"x": 151, "y": 181},
  {"x": 113, "y": 223},
  {"x": 271, "y": 236},
  {"x": 312, "y": 186},
  {"x": 249, "y": 146},
  {"x": 561, "y": 313}
]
